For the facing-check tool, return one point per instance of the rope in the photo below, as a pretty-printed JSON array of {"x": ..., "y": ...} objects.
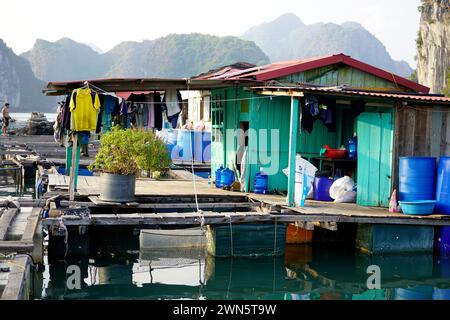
[
  {"x": 275, "y": 239},
  {"x": 231, "y": 236},
  {"x": 194, "y": 180}
]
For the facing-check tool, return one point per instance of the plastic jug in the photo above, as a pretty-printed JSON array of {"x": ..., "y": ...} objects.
[
  {"x": 261, "y": 183},
  {"x": 226, "y": 178},
  {"x": 219, "y": 177},
  {"x": 353, "y": 148}
]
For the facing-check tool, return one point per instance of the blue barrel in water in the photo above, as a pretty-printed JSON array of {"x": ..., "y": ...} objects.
[
  {"x": 226, "y": 178},
  {"x": 443, "y": 186},
  {"x": 417, "y": 178},
  {"x": 219, "y": 177},
  {"x": 261, "y": 183}
]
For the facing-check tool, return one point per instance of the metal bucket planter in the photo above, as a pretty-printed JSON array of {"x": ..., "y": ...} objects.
[{"x": 117, "y": 187}]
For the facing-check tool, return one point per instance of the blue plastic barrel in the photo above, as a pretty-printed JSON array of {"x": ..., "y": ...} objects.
[
  {"x": 185, "y": 145},
  {"x": 202, "y": 149},
  {"x": 261, "y": 183},
  {"x": 321, "y": 188},
  {"x": 198, "y": 146},
  {"x": 443, "y": 186},
  {"x": 226, "y": 178},
  {"x": 206, "y": 146},
  {"x": 219, "y": 177},
  {"x": 417, "y": 178}
]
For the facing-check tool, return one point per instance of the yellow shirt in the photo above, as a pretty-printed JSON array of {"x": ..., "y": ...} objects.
[{"x": 84, "y": 110}]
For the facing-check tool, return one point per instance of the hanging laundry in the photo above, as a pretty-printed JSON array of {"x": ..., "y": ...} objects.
[
  {"x": 84, "y": 106},
  {"x": 110, "y": 103},
  {"x": 312, "y": 105},
  {"x": 307, "y": 120},
  {"x": 158, "y": 112},
  {"x": 173, "y": 120},
  {"x": 328, "y": 114},
  {"x": 173, "y": 101}
]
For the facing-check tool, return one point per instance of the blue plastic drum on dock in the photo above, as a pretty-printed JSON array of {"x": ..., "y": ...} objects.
[
  {"x": 417, "y": 179},
  {"x": 443, "y": 186},
  {"x": 261, "y": 183},
  {"x": 219, "y": 177},
  {"x": 226, "y": 178}
]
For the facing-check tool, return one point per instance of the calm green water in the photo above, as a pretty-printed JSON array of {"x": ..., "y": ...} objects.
[{"x": 304, "y": 273}]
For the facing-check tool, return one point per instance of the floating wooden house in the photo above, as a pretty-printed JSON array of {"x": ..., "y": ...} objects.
[{"x": 392, "y": 117}]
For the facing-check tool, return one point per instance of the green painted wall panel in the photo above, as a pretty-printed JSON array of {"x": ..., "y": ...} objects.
[
  {"x": 341, "y": 75},
  {"x": 268, "y": 114},
  {"x": 310, "y": 143}
]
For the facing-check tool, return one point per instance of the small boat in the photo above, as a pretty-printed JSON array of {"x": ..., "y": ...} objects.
[{"x": 168, "y": 239}]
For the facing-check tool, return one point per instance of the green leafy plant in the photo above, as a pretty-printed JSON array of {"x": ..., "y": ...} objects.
[{"x": 128, "y": 152}]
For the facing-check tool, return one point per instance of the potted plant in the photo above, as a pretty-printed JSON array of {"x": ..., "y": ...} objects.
[{"x": 122, "y": 156}]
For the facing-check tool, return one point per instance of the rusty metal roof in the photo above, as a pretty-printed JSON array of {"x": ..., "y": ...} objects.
[{"x": 348, "y": 91}]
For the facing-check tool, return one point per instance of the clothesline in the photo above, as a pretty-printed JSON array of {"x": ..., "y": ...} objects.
[{"x": 212, "y": 100}]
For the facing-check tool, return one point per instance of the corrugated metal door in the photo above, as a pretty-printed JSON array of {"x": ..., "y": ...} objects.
[{"x": 375, "y": 138}]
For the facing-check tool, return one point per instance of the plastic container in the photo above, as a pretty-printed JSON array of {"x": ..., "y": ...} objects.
[
  {"x": 219, "y": 177},
  {"x": 443, "y": 186},
  {"x": 353, "y": 148},
  {"x": 336, "y": 153},
  {"x": 417, "y": 179},
  {"x": 185, "y": 145},
  {"x": 261, "y": 183},
  {"x": 424, "y": 207},
  {"x": 441, "y": 294},
  {"x": 117, "y": 187},
  {"x": 206, "y": 146},
  {"x": 226, "y": 178},
  {"x": 322, "y": 189}
]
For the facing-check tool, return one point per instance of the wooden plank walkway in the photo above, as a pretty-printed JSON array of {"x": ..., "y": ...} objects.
[{"x": 21, "y": 236}]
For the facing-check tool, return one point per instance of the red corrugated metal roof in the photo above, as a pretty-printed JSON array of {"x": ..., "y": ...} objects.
[{"x": 284, "y": 68}]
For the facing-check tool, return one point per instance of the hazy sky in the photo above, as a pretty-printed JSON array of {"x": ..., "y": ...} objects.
[{"x": 105, "y": 23}]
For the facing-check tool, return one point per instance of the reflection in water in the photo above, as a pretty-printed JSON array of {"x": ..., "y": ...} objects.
[{"x": 304, "y": 273}]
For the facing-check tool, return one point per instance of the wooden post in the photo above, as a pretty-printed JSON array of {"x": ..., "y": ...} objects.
[
  {"x": 73, "y": 168},
  {"x": 292, "y": 150}
]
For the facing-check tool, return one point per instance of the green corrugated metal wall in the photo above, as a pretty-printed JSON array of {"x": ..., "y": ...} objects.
[
  {"x": 375, "y": 140},
  {"x": 270, "y": 114}
]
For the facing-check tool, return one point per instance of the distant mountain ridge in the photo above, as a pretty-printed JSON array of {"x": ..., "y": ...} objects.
[
  {"x": 176, "y": 55},
  {"x": 18, "y": 85},
  {"x": 287, "y": 38}
]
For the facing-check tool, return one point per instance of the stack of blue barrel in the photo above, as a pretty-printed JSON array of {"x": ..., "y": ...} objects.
[
  {"x": 417, "y": 179},
  {"x": 420, "y": 180},
  {"x": 443, "y": 186}
]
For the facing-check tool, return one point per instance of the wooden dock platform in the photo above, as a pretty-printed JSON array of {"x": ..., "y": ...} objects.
[{"x": 155, "y": 198}]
